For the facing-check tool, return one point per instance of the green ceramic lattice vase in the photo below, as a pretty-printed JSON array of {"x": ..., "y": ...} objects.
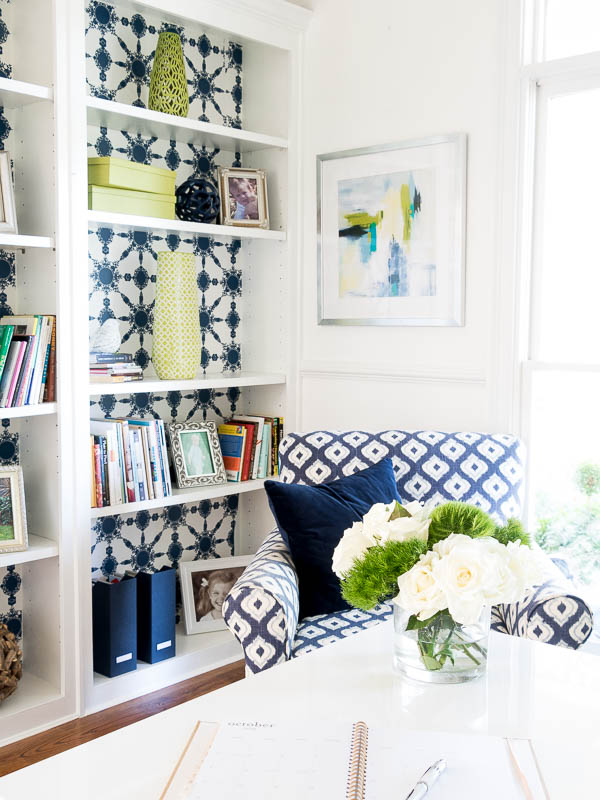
[
  {"x": 168, "y": 82},
  {"x": 176, "y": 343}
]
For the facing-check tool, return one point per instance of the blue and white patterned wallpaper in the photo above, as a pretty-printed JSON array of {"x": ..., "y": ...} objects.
[{"x": 120, "y": 53}]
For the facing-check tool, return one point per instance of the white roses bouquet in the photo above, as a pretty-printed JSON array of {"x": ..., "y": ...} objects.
[{"x": 447, "y": 563}]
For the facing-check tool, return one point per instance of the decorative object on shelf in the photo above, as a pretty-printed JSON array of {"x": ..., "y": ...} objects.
[
  {"x": 196, "y": 454},
  {"x": 391, "y": 231},
  {"x": 11, "y": 662},
  {"x": 447, "y": 581},
  {"x": 13, "y": 522},
  {"x": 197, "y": 201},
  {"x": 168, "y": 81},
  {"x": 8, "y": 210},
  {"x": 176, "y": 343},
  {"x": 204, "y": 586},
  {"x": 106, "y": 338},
  {"x": 243, "y": 197},
  {"x": 121, "y": 173}
]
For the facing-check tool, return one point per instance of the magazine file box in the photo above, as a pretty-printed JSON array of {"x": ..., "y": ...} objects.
[
  {"x": 156, "y": 615},
  {"x": 114, "y": 627}
]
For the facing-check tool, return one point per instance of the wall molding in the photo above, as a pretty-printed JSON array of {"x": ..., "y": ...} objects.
[{"x": 318, "y": 370}]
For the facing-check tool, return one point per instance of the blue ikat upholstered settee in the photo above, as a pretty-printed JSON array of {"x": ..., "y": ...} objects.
[{"x": 484, "y": 470}]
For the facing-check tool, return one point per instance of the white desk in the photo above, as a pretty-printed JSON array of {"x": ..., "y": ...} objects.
[{"x": 531, "y": 690}]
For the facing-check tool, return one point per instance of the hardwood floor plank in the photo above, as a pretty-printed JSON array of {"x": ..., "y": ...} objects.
[{"x": 56, "y": 740}]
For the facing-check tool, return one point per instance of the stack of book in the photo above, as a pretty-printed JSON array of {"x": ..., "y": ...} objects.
[
  {"x": 114, "y": 368},
  {"x": 27, "y": 360},
  {"x": 250, "y": 445},
  {"x": 129, "y": 461}
]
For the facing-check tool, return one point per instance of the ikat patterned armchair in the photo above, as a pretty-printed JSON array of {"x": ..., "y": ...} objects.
[{"x": 484, "y": 470}]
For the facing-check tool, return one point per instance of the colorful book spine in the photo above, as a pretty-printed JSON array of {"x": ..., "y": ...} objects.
[
  {"x": 98, "y": 465},
  {"x": 9, "y": 369},
  {"x": 14, "y": 380},
  {"x": 232, "y": 438},
  {"x": 111, "y": 358},
  {"x": 5, "y": 340}
]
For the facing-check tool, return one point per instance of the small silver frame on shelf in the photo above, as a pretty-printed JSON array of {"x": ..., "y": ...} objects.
[
  {"x": 196, "y": 454},
  {"x": 252, "y": 215}
]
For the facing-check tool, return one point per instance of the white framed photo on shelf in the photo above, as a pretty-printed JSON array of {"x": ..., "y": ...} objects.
[
  {"x": 243, "y": 195},
  {"x": 196, "y": 454},
  {"x": 8, "y": 209},
  {"x": 205, "y": 585},
  {"x": 13, "y": 521}
]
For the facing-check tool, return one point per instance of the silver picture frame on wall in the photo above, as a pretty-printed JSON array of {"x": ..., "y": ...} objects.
[{"x": 391, "y": 225}]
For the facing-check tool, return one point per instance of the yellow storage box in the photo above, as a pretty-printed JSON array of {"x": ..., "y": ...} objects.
[
  {"x": 119, "y": 173},
  {"x": 125, "y": 201}
]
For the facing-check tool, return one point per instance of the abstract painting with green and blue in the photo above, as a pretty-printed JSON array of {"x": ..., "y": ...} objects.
[{"x": 386, "y": 235}]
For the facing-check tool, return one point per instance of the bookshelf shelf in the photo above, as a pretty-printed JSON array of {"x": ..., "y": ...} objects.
[
  {"x": 154, "y": 384},
  {"x": 15, "y": 94},
  {"x": 38, "y": 548},
  {"x": 177, "y": 226},
  {"x": 194, "y": 654},
  {"x": 119, "y": 116},
  {"x": 181, "y": 496},
  {"x": 40, "y": 410},
  {"x": 19, "y": 241},
  {"x": 32, "y": 692}
]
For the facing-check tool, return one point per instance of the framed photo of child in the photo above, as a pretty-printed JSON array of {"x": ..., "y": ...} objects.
[
  {"x": 205, "y": 585},
  {"x": 13, "y": 523},
  {"x": 243, "y": 197},
  {"x": 196, "y": 453}
]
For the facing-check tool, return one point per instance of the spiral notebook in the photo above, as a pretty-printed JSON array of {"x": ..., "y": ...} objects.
[{"x": 263, "y": 761}]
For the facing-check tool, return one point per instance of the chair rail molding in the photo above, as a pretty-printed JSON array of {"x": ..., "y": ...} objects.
[{"x": 383, "y": 372}]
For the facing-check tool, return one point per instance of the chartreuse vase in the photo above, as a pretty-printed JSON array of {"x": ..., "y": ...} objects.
[
  {"x": 440, "y": 650},
  {"x": 176, "y": 345},
  {"x": 168, "y": 82}
]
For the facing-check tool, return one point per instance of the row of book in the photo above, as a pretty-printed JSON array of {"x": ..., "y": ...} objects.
[
  {"x": 114, "y": 368},
  {"x": 250, "y": 445},
  {"x": 129, "y": 461},
  {"x": 27, "y": 360}
]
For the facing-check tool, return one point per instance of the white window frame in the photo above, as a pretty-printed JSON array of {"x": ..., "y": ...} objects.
[{"x": 538, "y": 81}]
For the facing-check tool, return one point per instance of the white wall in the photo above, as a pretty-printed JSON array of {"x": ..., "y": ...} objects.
[{"x": 384, "y": 71}]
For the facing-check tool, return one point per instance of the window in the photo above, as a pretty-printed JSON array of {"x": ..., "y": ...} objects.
[{"x": 561, "y": 398}]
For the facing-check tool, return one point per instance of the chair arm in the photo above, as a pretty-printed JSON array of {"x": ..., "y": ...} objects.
[
  {"x": 550, "y": 613},
  {"x": 261, "y": 610}
]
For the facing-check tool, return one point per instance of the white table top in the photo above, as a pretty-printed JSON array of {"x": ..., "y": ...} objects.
[{"x": 531, "y": 690}]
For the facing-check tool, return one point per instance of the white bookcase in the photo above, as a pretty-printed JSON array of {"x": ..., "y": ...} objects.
[{"x": 51, "y": 108}]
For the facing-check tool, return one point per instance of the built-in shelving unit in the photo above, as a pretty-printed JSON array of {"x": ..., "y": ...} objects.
[
  {"x": 178, "y": 226},
  {"x": 51, "y": 113},
  {"x": 20, "y": 241},
  {"x": 15, "y": 94},
  {"x": 119, "y": 116},
  {"x": 182, "y": 496},
  {"x": 154, "y": 384},
  {"x": 37, "y": 548}
]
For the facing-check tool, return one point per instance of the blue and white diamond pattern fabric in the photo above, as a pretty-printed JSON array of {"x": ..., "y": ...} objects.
[
  {"x": 262, "y": 608},
  {"x": 549, "y": 613},
  {"x": 316, "y": 632},
  {"x": 485, "y": 470}
]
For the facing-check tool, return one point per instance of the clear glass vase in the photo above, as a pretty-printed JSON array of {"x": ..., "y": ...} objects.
[{"x": 442, "y": 650}]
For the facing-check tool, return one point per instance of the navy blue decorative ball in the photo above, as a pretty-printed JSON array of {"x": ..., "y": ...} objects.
[{"x": 197, "y": 201}]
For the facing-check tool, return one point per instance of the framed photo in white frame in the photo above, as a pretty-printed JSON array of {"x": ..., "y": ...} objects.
[
  {"x": 391, "y": 233},
  {"x": 13, "y": 521},
  {"x": 205, "y": 585},
  {"x": 8, "y": 209}
]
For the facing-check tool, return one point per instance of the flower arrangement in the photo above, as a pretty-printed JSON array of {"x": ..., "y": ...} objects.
[{"x": 444, "y": 565}]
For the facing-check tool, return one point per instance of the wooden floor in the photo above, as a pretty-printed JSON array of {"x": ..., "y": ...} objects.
[{"x": 64, "y": 737}]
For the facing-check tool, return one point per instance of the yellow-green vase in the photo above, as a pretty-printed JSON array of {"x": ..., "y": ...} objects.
[
  {"x": 176, "y": 344},
  {"x": 168, "y": 82}
]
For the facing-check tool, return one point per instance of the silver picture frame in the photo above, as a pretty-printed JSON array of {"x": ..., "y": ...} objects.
[
  {"x": 456, "y": 259},
  {"x": 190, "y": 471},
  {"x": 18, "y": 542}
]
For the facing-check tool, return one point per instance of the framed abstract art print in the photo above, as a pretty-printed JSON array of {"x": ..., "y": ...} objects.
[{"x": 391, "y": 233}]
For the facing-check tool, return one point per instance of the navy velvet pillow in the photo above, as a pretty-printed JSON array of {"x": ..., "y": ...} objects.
[{"x": 312, "y": 520}]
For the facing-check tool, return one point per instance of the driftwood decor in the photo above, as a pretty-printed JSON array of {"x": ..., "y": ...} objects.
[{"x": 11, "y": 663}]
